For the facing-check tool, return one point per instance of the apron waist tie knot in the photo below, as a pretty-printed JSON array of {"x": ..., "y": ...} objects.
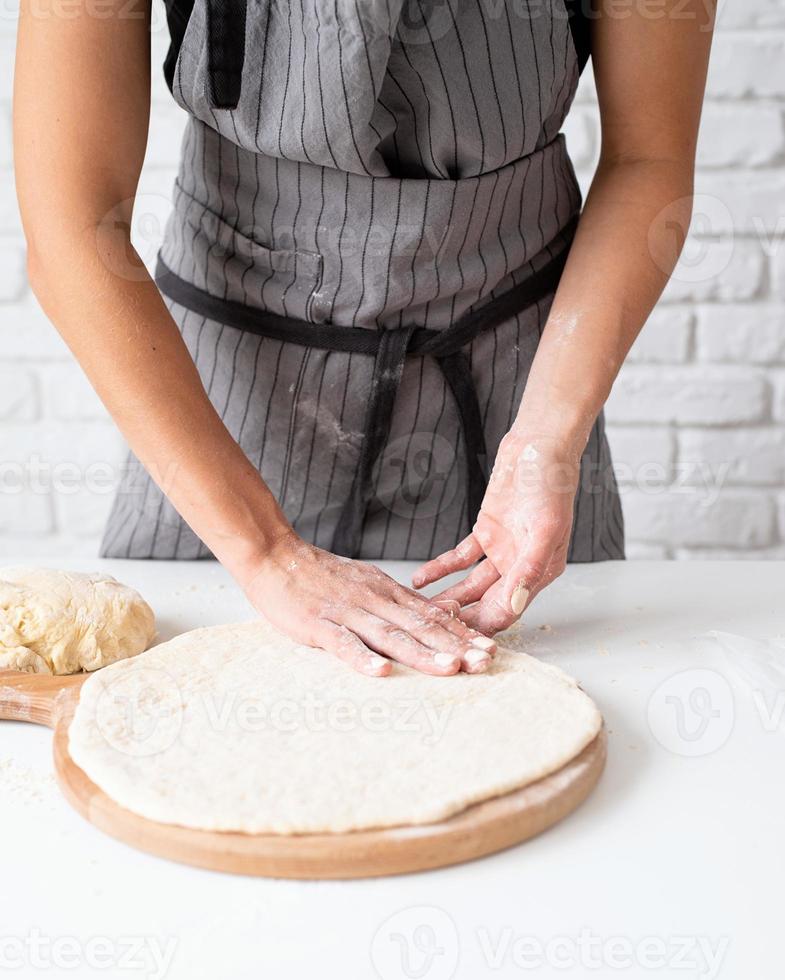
[{"x": 389, "y": 348}]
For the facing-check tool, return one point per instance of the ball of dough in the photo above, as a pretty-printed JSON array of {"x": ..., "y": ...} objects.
[{"x": 56, "y": 622}]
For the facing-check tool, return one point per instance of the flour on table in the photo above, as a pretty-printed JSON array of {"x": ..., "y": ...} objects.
[
  {"x": 56, "y": 622},
  {"x": 26, "y": 785},
  {"x": 239, "y": 728}
]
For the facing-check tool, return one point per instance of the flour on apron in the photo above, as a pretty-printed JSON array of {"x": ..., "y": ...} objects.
[{"x": 383, "y": 166}]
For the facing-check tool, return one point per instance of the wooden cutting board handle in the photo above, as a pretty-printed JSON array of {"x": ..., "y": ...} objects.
[{"x": 38, "y": 698}]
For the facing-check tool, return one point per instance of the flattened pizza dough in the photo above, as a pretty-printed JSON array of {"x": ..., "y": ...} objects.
[
  {"x": 56, "y": 622},
  {"x": 238, "y": 728}
]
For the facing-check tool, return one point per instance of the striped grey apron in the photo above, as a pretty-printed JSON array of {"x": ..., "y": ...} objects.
[{"x": 372, "y": 211}]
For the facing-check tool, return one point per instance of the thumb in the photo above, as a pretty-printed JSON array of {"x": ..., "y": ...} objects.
[{"x": 525, "y": 576}]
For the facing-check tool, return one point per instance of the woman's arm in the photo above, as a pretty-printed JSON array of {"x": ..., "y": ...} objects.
[
  {"x": 650, "y": 68},
  {"x": 81, "y": 107}
]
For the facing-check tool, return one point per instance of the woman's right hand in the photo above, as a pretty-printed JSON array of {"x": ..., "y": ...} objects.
[{"x": 353, "y": 610}]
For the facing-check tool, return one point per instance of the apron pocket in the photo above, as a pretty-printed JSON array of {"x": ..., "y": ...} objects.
[{"x": 232, "y": 263}]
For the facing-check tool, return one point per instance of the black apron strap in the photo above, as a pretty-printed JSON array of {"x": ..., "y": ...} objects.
[
  {"x": 178, "y": 13},
  {"x": 225, "y": 52},
  {"x": 387, "y": 373},
  {"x": 580, "y": 13},
  {"x": 458, "y": 375}
]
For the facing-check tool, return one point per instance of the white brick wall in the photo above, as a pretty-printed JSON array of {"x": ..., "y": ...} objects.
[{"x": 697, "y": 419}]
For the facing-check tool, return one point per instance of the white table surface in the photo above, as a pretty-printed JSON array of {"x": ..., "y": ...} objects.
[{"x": 673, "y": 868}]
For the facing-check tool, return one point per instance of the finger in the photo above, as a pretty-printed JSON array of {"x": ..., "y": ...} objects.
[
  {"x": 450, "y": 606},
  {"x": 473, "y": 587},
  {"x": 530, "y": 570},
  {"x": 336, "y": 639},
  {"x": 433, "y": 612},
  {"x": 395, "y": 642},
  {"x": 492, "y": 613},
  {"x": 461, "y": 642},
  {"x": 457, "y": 559},
  {"x": 388, "y": 590},
  {"x": 555, "y": 569}
]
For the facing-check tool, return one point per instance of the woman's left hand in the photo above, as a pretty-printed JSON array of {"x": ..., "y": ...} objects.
[{"x": 521, "y": 535}]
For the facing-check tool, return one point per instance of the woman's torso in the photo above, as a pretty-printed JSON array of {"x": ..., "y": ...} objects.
[
  {"x": 386, "y": 164},
  {"x": 378, "y": 167}
]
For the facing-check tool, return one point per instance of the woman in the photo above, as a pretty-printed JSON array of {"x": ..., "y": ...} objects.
[{"x": 374, "y": 290}]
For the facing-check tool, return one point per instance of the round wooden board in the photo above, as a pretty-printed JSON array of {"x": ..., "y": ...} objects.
[{"x": 481, "y": 829}]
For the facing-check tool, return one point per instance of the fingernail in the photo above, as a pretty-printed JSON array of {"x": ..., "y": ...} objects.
[
  {"x": 519, "y": 598},
  {"x": 476, "y": 657},
  {"x": 444, "y": 660},
  {"x": 484, "y": 643},
  {"x": 485, "y": 652},
  {"x": 377, "y": 667}
]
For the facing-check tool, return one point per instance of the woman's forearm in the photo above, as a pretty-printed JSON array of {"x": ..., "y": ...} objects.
[
  {"x": 123, "y": 336},
  {"x": 620, "y": 261}
]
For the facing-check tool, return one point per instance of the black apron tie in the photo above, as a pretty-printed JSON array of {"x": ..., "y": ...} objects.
[
  {"x": 389, "y": 348},
  {"x": 225, "y": 52},
  {"x": 387, "y": 373}
]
